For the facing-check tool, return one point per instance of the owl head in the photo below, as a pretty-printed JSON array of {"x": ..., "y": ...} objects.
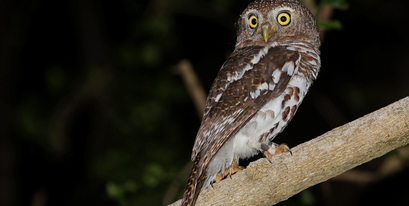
[{"x": 267, "y": 21}]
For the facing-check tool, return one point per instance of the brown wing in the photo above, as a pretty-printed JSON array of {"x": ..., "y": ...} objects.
[{"x": 231, "y": 104}]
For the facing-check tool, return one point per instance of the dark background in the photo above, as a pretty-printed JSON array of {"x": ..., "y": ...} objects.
[{"x": 93, "y": 112}]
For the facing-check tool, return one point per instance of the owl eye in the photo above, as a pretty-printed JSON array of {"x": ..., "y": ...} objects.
[
  {"x": 253, "y": 21},
  {"x": 284, "y": 19}
]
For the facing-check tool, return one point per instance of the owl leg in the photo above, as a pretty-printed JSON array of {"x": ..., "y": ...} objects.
[
  {"x": 233, "y": 169},
  {"x": 219, "y": 177},
  {"x": 274, "y": 150}
]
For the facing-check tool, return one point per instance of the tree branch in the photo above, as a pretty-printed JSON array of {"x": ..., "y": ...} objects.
[
  {"x": 315, "y": 161},
  {"x": 193, "y": 85}
]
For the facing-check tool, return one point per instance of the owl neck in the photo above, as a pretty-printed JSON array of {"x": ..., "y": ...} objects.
[{"x": 282, "y": 42}]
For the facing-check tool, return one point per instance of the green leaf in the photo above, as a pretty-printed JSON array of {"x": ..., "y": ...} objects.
[
  {"x": 119, "y": 192},
  {"x": 329, "y": 25},
  {"x": 115, "y": 191},
  {"x": 153, "y": 175},
  {"x": 307, "y": 198},
  {"x": 339, "y": 4}
]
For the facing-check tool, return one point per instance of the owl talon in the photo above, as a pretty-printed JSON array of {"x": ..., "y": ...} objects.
[
  {"x": 274, "y": 150},
  {"x": 282, "y": 148},
  {"x": 233, "y": 169},
  {"x": 219, "y": 178},
  {"x": 266, "y": 153},
  {"x": 278, "y": 149},
  {"x": 268, "y": 156}
]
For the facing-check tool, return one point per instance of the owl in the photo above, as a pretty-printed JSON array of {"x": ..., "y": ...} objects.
[{"x": 257, "y": 90}]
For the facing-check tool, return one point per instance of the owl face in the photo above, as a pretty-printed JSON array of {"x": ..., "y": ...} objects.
[{"x": 264, "y": 22}]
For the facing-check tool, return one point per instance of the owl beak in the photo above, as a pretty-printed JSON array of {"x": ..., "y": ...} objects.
[{"x": 267, "y": 31}]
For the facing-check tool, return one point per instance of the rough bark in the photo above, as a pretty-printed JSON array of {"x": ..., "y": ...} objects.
[{"x": 315, "y": 161}]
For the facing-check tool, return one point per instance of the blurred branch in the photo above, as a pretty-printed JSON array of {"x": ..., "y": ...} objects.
[
  {"x": 310, "y": 4},
  {"x": 315, "y": 161},
  {"x": 322, "y": 12},
  {"x": 62, "y": 117},
  {"x": 97, "y": 80},
  {"x": 172, "y": 191},
  {"x": 193, "y": 85}
]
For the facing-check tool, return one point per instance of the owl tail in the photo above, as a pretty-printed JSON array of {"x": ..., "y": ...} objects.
[{"x": 194, "y": 183}]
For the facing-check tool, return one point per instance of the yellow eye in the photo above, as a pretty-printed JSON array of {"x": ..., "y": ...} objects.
[
  {"x": 284, "y": 19},
  {"x": 253, "y": 21}
]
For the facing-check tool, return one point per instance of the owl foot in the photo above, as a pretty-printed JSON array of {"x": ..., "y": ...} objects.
[
  {"x": 274, "y": 150},
  {"x": 233, "y": 169}
]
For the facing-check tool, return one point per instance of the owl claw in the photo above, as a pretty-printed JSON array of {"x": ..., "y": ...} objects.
[
  {"x": 233, "y": 169},
  {"x": 274, "y": 150},
  {"x": 219, "y": 177},
  {"x": 268, "y": 156}
]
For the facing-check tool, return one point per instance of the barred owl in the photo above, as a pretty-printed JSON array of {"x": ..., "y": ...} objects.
[{"x": 257, "y": 90}]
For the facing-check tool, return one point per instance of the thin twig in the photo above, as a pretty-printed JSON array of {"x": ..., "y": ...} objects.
[{"x": 193, "y": 85}]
